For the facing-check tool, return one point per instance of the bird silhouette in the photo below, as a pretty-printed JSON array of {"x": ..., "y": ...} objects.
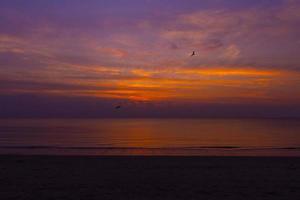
[
  {"x": 118, "y": 107},
  {"x": 193, "y": 54}
]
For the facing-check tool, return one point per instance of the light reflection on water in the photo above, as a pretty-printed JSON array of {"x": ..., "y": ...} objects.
[{"x": 279, "y": 137}]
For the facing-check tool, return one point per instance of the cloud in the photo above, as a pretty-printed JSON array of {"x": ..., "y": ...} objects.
[
  {"x": 10, "y": 44},
  {"x": 232, "y": 52},
  {"x": 212, "y": 44},
  {"x": 201, "y": 83},
  {"x": 242, "y": 52},
  {"x": 263, "y": 35},
  {"x": 118, "y": 53}
]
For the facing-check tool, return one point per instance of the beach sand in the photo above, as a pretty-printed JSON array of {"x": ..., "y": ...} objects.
[{"x": 79, "y": 177}]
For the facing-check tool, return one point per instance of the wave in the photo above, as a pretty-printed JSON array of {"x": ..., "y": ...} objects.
[{"x": 146, "y": 148}]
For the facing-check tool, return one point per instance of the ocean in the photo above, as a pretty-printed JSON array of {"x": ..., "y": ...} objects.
[{"x": 163, "y": 137}]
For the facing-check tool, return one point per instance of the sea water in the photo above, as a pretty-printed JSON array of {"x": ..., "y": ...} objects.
[{"x": 165, "y": 137}]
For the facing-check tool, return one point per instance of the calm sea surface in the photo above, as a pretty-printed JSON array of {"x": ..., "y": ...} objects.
[{"x": 206, "y": 137}]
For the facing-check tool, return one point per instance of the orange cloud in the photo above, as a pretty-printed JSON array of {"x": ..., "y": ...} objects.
[
  {"x": 199, "y": 84},
  {"x": 244, "y": 72}
]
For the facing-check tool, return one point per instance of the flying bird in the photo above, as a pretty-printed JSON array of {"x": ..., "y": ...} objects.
[
  {"x": 193, "y": 54},
  {"x": 118, "y": 107}
]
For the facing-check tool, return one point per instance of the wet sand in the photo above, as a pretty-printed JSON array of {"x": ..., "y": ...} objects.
[{"x": 79, "y": 177}]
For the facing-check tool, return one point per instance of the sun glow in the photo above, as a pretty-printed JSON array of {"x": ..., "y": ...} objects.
[{"x": 197, "y": 84}]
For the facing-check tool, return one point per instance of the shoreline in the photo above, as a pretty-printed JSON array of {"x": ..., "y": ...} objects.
[{"x": 197, "y": 152}]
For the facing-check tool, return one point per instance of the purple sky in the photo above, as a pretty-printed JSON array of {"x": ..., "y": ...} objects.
[{"x": 74, "y": 58}]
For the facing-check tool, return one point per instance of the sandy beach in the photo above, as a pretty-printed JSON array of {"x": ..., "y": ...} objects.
[{"x": 78, "y": 177}]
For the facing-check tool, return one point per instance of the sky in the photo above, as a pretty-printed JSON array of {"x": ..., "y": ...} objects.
[{"x": 81, "y": 58}]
